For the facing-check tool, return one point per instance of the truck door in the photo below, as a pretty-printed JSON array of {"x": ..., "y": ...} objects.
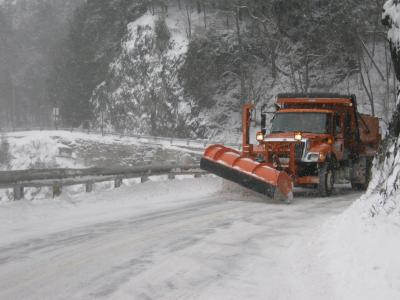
[{"x": 338, "y": 146}]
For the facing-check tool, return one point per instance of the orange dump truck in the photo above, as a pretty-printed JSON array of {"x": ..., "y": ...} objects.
[{"x": 314, "y": 140}]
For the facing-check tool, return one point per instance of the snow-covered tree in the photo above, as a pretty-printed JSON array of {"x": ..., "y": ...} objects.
[
  {"x": 141, "y": 92},
  {"x": 386, "y": 178},
  {"x": 391, "y": 19}
]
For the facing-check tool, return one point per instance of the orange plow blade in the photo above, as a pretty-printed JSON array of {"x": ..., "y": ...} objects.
[{"x": 260, "y": 177}]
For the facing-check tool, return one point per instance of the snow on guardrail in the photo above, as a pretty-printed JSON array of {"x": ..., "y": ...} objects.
[{"x": 57, "y": 178}]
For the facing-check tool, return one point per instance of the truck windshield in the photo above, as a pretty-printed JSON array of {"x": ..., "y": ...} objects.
[{"x": 301, "y": 121}]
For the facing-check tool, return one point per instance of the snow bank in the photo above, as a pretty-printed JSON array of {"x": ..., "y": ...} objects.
[
  {"x": 52, "y": 149},
  {"x": 36, "y": 150},
  {"x": 360, "y": 247},
  {"x": 383, "y": 195},
  {"x": 58, "y": 149},
  {"x": 361, "y": 253}
]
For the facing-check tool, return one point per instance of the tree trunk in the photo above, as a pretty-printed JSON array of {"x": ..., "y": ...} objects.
[
  {"x": 204, "y": 16},
  {"x": 387, "y": 97},
  {"x": 198, "y": 4},
  {"x": 306, "y": 76},
  {"x": 367, "y": 91},
  {"x": 13, "y": 105},
  {"x": 189, "y": 20},
  {"x": 241, "y": 68},
  {"x": 293, "y": 76}
]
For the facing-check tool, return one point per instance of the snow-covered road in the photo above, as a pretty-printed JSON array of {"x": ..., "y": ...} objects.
[{"x": 183, "y": 240}]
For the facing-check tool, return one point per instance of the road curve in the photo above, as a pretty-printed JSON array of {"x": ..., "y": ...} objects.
[{"x": 212, "y": 247}]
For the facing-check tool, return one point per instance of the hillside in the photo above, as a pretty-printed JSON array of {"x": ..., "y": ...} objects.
[{"x": 183, "y": 68}]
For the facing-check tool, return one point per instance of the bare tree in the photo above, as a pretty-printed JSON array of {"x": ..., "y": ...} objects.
[
  {"x": 367, "y": 88},
  {"x": 205, "y": 13},
  {"x": 188, "y": 13},
  {"x": 241, "y": 56}
]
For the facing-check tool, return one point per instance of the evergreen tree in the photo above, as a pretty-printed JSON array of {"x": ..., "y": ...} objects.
[{"x": 94, "y": 40}]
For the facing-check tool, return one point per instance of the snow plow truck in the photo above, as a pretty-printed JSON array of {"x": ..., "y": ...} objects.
[{"x": 313, "y": 140}]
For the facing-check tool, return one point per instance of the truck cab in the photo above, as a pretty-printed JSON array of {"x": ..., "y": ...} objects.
[{"x": 320, "y": 139}]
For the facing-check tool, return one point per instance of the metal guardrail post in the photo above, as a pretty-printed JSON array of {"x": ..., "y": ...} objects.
[
  {"x": 117, "y": 182},
  {"x": 18, "y": 192},
  {"x": 89, "y": 187},
  {"x": 57, "y": 178},
  {"x": 57, "y": 190},
  {"x": 144, "y": 178}
]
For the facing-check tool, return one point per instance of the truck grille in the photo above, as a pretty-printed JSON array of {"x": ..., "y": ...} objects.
[{"x": 299, "y": 150}]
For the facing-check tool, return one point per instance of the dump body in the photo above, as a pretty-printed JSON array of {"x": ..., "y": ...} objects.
[{"x": 369, "y": 130}]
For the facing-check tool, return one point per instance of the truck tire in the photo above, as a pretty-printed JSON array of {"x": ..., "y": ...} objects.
[
  {"x": 357, "y": 186},
  {"x": 326, "y": 174}
]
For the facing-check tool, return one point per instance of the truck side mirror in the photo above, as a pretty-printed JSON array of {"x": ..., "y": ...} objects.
[
  {"x": 263, "y": 123},
  {"x": 337, "y": 124}
]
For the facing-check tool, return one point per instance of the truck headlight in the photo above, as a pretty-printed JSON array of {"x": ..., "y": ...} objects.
[
  {"x": 260, "y": 136},
  {"x": 315, "y": 157},
  {"x": 298, "y": 136}
]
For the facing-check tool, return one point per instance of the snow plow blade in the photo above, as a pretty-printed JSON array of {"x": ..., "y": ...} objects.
[{"x": 260, "y": 177}]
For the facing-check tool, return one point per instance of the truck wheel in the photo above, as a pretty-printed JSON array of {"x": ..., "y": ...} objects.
[
  {"x": 363, "y": 186},
  {"x": 326, "y": 176},
  {"x": 358, "y": 186}
]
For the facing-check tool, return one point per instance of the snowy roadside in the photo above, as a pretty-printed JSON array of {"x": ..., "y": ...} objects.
[
  {"x": 64, "y": 149},
  {"x": 360, "y": 246},
  {"x": 30, "y": 219},
  {"x": 361, "y": 253}
]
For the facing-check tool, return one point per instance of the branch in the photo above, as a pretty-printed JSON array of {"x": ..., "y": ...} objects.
[
  {"x": 264, "y": 19},
  {"x": 370, "y": 96},
  {"x": 281, "y": 71},
  {"x": 371, "y": 58}
]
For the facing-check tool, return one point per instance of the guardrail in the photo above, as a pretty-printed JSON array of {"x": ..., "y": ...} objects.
[
  {"x": 57, "y": 178},
  {"x": 181, "y": 142}
]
